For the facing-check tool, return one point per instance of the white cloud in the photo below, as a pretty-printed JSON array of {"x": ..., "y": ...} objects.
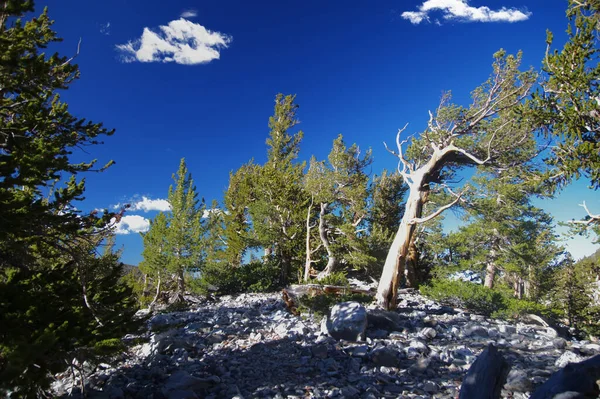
[
  {"x": 207, "y": 212},
  {"x": 191, "y": 13},
  {"x": 105, "y": 28},
  {"x": 460, "y": 10},
  {"x": 146, "y": 204},
  {"x": 181, "y": 41},
  {"x": 131, "y": 224}
]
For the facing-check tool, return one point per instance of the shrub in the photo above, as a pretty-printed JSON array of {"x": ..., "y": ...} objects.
[
  {"x": 471, "y": 296},
  {"x": 320, "y": 304},
  {"x": 109, "y": 347},
  {"x": 498, "y": 302},
  {"x": 336, "y": 278},
  {"x": 256, "y": 276}
]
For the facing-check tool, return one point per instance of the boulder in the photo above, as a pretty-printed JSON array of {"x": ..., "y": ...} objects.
[{"x": 347, "y": 321}]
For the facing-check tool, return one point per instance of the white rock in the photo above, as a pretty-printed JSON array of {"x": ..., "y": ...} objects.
[
  {"x": 428, "y": 333},
  {"x": 347, "y": 320},
  {"x": 566, "y": 358}
]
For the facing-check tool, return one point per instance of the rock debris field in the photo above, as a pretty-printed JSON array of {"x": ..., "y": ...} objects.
[{"x": 251, "y": 346}]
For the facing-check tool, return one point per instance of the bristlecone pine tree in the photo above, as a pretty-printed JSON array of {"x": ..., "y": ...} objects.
[
  {"x": 339, "y": 192},
  {"x": 56, "y": 295},
  {"x": 491, "y": 133}
]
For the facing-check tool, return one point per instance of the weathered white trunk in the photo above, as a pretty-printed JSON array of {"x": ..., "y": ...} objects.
[
  {"x": 331, "y": 259},
  {"x": 308, "y": 261},
  {"x": 158, "y": 287},
  {"x": 387, "y": 291},
  {"x": 395, "y": 263},
  {"x": 490, "y": 270},
  {"x": 490, "y": 273}
]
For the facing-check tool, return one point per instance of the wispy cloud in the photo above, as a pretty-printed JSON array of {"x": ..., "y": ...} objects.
[
  {"x": 460, "y": 10},
  {"x": 191, "y": 13},
  {"x": 105, "y": 28},
  {"x": 132, "y": 224},
  {"x": 181, "y": 41}
]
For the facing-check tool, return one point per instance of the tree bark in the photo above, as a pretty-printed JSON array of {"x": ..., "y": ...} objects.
[
  {"x": 308, "y": 261},
  {"x": 412, "y": 264},
  {"x": 490, "y": 269},
  {"x": 157, "y": 292},
  {"x": 393, "y": 269},
  {"x": 331, "y": 259},
  {"x": 395, "y": 262}
]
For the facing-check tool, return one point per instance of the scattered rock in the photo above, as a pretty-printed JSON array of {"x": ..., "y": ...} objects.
[
  {"x": 251, "y": 346},
  {"x": 386, "y": 357}
]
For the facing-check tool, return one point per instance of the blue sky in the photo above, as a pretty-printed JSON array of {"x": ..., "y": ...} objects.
[{"x": 360, "y": 68}]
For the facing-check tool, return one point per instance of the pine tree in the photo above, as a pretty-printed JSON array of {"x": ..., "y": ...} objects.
[
  {"x": 184, "y": 230},
  {"x": 68, "y": 297},
  {"x": 339, "y": 191},
  {"x": 568, "y": 103},
  {"x": 277, "y": 200},
  {"x": 155, "y": 256},
  {"x": 506, "y": 233},
  {"x": 491, "y": 133}
]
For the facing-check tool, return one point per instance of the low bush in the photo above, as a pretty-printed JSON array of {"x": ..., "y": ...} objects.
[
  {"x": 109, "y": 347},
  {"x": 319, "y": 305},
  {"x": 497, "y": 303},
  {"x": 255, "y": 276},
  {"x": 337, "y": 278}
]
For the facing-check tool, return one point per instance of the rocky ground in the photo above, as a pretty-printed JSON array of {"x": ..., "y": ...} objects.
[{"x": 250, "y": 346}]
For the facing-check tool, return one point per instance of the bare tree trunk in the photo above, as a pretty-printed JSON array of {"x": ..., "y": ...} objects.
[
  {"x": 518, "y": 287},
  {"x": 412, "y": 264},
  {"x": 490, "y": 270},
  {"x": 180, "y": 290},
  {"x": 492, "y": 257},
  {"x": 308, "y": 262},
  {"x": 490, "y": 273},
  {"x": 331, "y": 259},
  {"x": 393, "y": 269},
  {"x": 158, "y": 287}
]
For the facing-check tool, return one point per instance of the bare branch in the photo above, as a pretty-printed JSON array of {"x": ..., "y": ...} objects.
[
  {"x": 593, "y": 219},
  {"x": 406, "y": 168},
  {"x": 438, "y": 211}
]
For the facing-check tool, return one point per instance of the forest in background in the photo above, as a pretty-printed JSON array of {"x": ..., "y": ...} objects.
[{"x": 526, "y": 134}]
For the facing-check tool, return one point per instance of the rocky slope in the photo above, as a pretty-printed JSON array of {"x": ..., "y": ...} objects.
[{"x": 250, "y": 346}]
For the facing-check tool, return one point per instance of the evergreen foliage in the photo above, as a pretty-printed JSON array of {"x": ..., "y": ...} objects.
[
  {"x": 57, "y": 295},
  {"x": 175, "y": 243},
  {"x": 184, "y": 229},
  {"x": 568, "y": 104},
  {"x": 339, "y": 191}
]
